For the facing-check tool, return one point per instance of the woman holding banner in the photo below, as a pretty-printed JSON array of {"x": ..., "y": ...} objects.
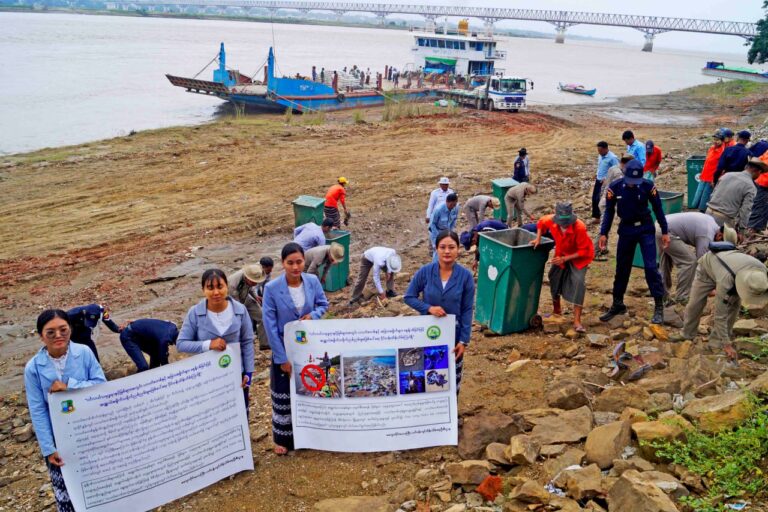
[
  {"x": 58, "y": 366},
  {"x": 292, "y": 296},
  {"x": 217, "y": 320},
  {"x": 446, "y": 288}
]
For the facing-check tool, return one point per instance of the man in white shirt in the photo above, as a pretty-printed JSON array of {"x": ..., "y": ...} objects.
[
  {"x": 438, "y": 196},
  {"x": 377, "y": 259}
]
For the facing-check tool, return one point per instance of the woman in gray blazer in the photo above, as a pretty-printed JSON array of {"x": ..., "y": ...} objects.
[
  {"x": 292, "y": 296},
  {"x": 216, "y": 320}
]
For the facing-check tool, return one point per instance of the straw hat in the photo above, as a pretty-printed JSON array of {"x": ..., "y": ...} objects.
[
  {"x": 336, "y": 251},
  {"x": 253, "y": 272},
  {"x": 495, "y": 203},
  {"x": 752, "y": 286},
  {"x": 756, "y": 162}
]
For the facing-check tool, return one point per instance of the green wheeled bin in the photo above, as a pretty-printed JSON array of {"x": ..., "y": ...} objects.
[
  {"x": 671, "y": 202},
  {"x": 509, "y": 279},
  {"x": 308, "y": 209},
  {"x": 500, "y": 187},
  {"x": 693, "y": 166},
  {"x": 339, "y": 273}
]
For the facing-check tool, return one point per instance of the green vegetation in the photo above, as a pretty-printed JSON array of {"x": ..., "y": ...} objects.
[
  {"x": 313, "y": 117},
  {"x": 755, "y": 347},
  {"x": 758, "y": 52},
  {"x": 359, "y": 117},
  {"x": 730, "y": 463},
  {"x": 288, "y": 116},
  {"x": 728, "y": 89}
]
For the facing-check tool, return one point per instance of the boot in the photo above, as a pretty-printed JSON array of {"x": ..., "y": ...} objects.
[
  {"x": 617, "y": 308},
  {"x": 658, "y": 311}
]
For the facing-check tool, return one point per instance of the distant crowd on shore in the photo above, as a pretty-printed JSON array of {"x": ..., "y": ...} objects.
[{"x": 253, "y": 305}]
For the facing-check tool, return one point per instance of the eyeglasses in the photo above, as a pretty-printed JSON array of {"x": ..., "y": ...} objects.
[{"x": 52, "y": 334}]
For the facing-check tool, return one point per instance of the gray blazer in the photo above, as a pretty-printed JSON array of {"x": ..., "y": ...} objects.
[{"x": 198, "y": 328}]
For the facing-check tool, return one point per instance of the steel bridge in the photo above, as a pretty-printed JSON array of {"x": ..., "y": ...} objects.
[{"x": 648, "y": 25}]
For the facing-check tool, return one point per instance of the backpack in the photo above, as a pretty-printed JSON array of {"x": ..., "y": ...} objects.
[{"x": 519, "y": 171}]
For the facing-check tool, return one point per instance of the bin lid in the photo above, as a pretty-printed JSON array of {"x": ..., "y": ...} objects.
[
  {"x": 310, "y": 201},
  {"x": 516, "y": 238},
  {"x": 666, "y": 196},
  {"x": 697, "y": 157},
  {"x": 335, "y": 234},
  {"x": 504, "y": 182}
]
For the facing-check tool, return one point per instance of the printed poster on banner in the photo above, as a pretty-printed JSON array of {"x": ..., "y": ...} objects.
[
  {"x": 136, "y": 443},
  {"x": 373, "y": 384}
]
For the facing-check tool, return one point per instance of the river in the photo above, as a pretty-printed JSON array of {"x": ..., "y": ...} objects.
[{"x": 69, "y": 78}]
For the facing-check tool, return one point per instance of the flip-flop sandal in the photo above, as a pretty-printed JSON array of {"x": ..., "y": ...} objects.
[{"x": 580, "y": 329}]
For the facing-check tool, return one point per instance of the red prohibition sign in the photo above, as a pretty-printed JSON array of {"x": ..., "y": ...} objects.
[{"x": 313, "y": 377}]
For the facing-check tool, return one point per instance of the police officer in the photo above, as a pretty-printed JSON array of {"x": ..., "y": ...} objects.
[
  {"x": 85, "y": 320},
  {"x": 631, "y": 196},
  {"x": 151, "y": 337}
]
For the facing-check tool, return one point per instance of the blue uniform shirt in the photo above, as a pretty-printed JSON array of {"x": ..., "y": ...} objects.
[
  {"x": 637, "y": 150},
  {"x": 309, "y": 235},
  {"x": 733, "y": 159},
  {"x": 605, "y": 162},
  {"x": 442, "y": 219},
  {"x": 632, "y": 205},
  {"x": 84, "y": 320}
]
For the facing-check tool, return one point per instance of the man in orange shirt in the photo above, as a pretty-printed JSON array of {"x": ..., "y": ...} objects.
[
  {"x": 652, "y": 160},
  {"x": 707, "y": 176},
  {"x": 336, "y": 195},
  {"x": 574, "y": 252}
]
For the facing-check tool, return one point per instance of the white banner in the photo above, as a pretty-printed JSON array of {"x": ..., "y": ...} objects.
[
  {"x": 136, "y": 443},
  {"x": 373, "y": 384}
]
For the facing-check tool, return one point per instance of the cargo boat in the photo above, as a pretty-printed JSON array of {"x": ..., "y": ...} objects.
[{"x": 719, "y": 69}]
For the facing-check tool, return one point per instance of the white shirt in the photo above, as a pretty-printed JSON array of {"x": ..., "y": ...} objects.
[
  {"x": 220, "y": 321},
  {"x": 436, "y": 198},
  {"x": 59, "y": 363},
  {"x": 445, "y": 283},
  {"x": 378, "y": 256},
  {"x": 297, "y": 296}
]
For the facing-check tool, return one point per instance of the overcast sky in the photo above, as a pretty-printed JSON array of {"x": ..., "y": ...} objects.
[{"x": 745, "y": 10}]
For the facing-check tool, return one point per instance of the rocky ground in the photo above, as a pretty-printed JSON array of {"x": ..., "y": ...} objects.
[{"x": 132, "y": 222}]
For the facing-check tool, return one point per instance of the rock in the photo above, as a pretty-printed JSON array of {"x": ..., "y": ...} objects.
[
  {"x": 473, "y": 500},
  {"x": 693, "y": 372},
  {"x": 633, "y": 492},
  {"x": 659, "y": 332},
  {"x": 571, "y": 350},
  {"x": 572, "y": 457},
  {"x": 683, "y": 350},
  {"x": 405, "y": 491},
  {"x": 23, "y": 434},
  {"x": 604, "y": 417},
  {"x": 485, "y": 428},
  {"x": 591, "y": 506},
  {"x": 747, "y": 327},
  {"x": 470, "y": 472},
  {"x": 607, "y": 443},
  {"x": 598, "y": 340},
  {"x": 633, "y": 415},
  {"x": 554, "y": 324},
  {"x": 718, "y": 412},
  {"x": 617, "y": 398},
  {"x": 759, "y": 386},
  {"x": 457, "y": 508},
  {"x": 688, "y": 478},
  {"x": 532, "y": 417},
  {"x": 571, "y": 334},
  {"x": 661, "y": 383},
  {"x": 564, "y": 504},
  {"x": 647, "y": 334},
  {"x": 582, "y": 483},
  {"x": 672, "y": 318},
  {"x": 634, "y": 330},
  {"x": 116, "y": 373},
  {"x": 426, "y": 477},
  {"x": 522, "y": 450},
  {"x": 564, "y": 427},
  {"x": 636, "y": 463},
  {"x": 667, "y": 483},
  {"x": 552, "y": 450},
  {"x": 494, "y": 452},
  {"x": 514, "y": 355},
  {"x": 531, "y": 492},
  {"x": 650, "y": 431},
  {"x": 567, "y": 395},
  {"x": 443, "y": 485},
  {"x": 517, "y": 365},
  {"x": 353, "y": 504}
]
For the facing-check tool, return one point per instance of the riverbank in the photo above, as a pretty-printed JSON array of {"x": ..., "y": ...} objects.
[{"x": 95, "y": 222}]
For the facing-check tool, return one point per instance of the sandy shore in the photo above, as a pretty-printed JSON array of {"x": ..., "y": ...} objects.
[{"x": 91, "y": 223}]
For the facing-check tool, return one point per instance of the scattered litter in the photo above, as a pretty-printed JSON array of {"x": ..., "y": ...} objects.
[
  {"x": 678, "y": 402},
  {"x": 551, "y": 489},
  {"x": 628, "y": 452},
  {"x": 741, "y": 505}
]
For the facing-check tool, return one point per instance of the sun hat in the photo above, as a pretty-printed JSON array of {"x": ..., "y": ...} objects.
[
  {"x": 729, "y": 235},
  {"x": 342, "y": 180},
  {"x": 444, "y": 181},
  {"x": 756, "y": 162},
  {"x": 752, "y": 287},
  {"x": 394, "y": 264},
  {"x": 253, "y": 272},
  {"x": 564, "y": 215},
  {"x": 336, "y": 251},
  {"x": 495, "y": 203},
  {"x": 633, "y": 172}
]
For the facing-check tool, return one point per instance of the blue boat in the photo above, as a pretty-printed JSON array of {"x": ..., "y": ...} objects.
[
  {"x": 299, "y": 94},
  {"x": 576, "y": 89}
]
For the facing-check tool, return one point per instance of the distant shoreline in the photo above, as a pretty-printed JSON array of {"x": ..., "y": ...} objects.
[{"x": 282, "y": 21}]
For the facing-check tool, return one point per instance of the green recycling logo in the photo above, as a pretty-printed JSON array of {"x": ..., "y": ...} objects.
[
  {"x": 433, "y": 332},
  {"x": 225, "y": 361}
]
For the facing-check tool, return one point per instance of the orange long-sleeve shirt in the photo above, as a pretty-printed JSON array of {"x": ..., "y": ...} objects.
[
  {"x": 653, "y": 160},
  {"x": 710, "y": 164},
  {"x": 574, "y": 240},
  {"x": 335, "y": 195}
]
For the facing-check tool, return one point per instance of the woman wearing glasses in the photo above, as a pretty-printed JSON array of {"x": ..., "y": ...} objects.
[{"x": 58, "y": 366}]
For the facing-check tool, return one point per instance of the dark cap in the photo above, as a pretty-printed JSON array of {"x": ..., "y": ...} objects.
[
  {"x": 564, "y": 215},
  {"x": 633, "y": 172},
  {"x": 523, "y": 151},
  {"x": 649, "y": 145},
  {"x": 719, "y": 134},
  {"x": 727, "y": 132},
  {"x": 466, "y": 239},
  {"x": 744, "y": 134}
]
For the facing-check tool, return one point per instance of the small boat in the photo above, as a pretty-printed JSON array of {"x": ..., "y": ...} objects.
[
  {"x": 297, "y": 93},
  {"x": 576, "y": 89},
  {"x": 737, "y": 73}
]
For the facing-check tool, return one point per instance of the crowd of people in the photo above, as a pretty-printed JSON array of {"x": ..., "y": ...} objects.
[{"x": 252, "y": 305}]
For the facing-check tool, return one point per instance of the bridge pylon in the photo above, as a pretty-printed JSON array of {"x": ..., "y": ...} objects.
[
  {"x": 382, "y": 16},
  {"x": 561, "y": 27},
  {"x": 650, "y": 35},
  {"x": 488, "y": 24}
]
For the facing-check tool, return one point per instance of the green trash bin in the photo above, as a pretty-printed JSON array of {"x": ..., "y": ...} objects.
[
  {"x": 509, "y": 279},
  {"x": 339, "y": 273},
  {"x": 693, "y": 166},
  {"x": 500, "y": 187},
  {"x": 308, "y": 209},
  {"x": 671, "y": 202}
]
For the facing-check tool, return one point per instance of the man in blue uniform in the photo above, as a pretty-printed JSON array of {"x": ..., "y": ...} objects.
[
  {"x": 734, "y": 158},
  {"x": 631, "y": 197},
  {"x": 85, "y": 320},
  {"x": 151, "y": 337}
]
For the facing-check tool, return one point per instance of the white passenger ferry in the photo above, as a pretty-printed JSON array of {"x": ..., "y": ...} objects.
[{"x": 460, "y": 53}]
